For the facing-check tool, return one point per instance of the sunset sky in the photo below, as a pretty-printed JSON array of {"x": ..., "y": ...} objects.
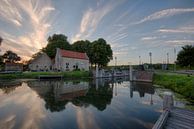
[{"x": 133, "y": 28}]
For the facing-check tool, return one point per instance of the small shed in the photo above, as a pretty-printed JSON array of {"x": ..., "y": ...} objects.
[{"x": 13, "y": 67}]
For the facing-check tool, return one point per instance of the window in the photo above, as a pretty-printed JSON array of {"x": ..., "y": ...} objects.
[{"x": 67, "y": 65}]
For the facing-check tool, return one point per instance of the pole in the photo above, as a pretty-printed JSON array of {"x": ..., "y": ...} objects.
[
  {"x": 174, "y": 59},
  {"x": 167, "y": 60},
  {"x": 131, "y": 73},
  {"x": 115, "y": 61},
  {"x": 139, "y": 60},
  {"x": 150, "y": 54}
]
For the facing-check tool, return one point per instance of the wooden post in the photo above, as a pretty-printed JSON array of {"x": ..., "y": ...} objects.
[
  {"x": 131, "y": 73},
  {"x": 168, "y": 101}
]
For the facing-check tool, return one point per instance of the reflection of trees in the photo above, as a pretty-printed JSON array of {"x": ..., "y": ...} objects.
[
  {"x": 58, "y": 93},
  {"x": 9, "y": 86},
  {"x": 142, "y": 88},
  {"x": 46, "y": 90}
]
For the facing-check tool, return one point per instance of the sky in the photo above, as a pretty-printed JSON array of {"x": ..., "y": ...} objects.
[{"x": 133, "y": 28}]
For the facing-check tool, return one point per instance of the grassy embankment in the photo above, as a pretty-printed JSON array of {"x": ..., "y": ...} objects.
[
  {"x": 34, "y": 75},
  {"x": 180, "y": 83}
]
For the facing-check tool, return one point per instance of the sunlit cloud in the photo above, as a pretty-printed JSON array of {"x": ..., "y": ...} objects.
[
  {"x": 85, "y": 121},
  {"x": 36, "y": 15},
  {"x": 10, "y": 13},
  {"x": 165, "y": 14}
]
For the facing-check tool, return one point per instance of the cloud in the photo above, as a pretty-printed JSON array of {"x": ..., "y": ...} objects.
[
  {"x": 164, "y": 14},
  {"x": 119, "y": 37},
  {"x": 133, "y": 48},
  {"x": 34, "y": 14},
  {"x": 180, "y": 42},
  {"x": 90, "y": 21},
  {"x": 91, "y": 18},
  {"x": 148, "y": 38},
  {"x": 10, "y": 13},
  {"x": 179, "y": 30},
  {"x": 24, "y": 98}
]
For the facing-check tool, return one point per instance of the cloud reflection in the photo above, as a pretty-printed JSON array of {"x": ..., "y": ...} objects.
[{"x": 29, "y": 104}]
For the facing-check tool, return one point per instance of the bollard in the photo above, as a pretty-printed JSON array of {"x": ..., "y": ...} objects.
[{"x": 168, "y": 101}]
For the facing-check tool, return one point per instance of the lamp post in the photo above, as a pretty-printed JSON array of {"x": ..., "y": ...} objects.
[
  {"x": 139, "y": 60},
  {"x": 167, "y": 59},
  {"x": 150, "y": 54},
  {"x": 115, "y": 61},
  {"x": 174, "y": 59}
]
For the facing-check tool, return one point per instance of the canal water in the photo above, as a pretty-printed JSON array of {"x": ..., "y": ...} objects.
[{"x": 95, "y": 104}]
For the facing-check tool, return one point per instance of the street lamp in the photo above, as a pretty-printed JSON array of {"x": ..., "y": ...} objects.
[
  {"x": 139, "y": 60},
  {"x": 150, "y": 54},
  {"x": 115, "y": 61},
  {"x": 167, "y": 59},
  {"x": 174, "y": 59}
]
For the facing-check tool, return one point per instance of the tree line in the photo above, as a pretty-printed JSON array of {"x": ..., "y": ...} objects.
[
  {"x": 185, "y": 57},
  {"x": 98, "y": 51}
]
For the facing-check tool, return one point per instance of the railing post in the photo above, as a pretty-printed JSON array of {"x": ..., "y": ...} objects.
[
  {"x": 168, "y": 101},
  {"x": 131, "y": 73}
]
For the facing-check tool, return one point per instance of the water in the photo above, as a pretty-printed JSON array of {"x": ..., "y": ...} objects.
[{"x": 95, "y": 104}]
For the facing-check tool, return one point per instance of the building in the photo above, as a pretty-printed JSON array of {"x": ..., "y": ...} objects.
[
  {"x": 66, "y": 60},
  {"x": 13, "y": 67},
  {"x": 41, "y": 63}
]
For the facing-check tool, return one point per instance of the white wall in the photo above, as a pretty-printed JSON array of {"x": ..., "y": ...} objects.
[
  {"x": 82, "y": 64},
  {"x": 41, "y": 63}
]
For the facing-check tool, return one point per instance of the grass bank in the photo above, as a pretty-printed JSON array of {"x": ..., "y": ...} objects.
[
  {"x": 180, "y": 83},
  {"x": 34, "y": 75}
]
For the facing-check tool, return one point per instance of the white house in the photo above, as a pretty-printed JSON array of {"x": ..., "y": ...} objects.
[
  {"x": 41, "y": 63},
  {"x": 66, "y": 60}
]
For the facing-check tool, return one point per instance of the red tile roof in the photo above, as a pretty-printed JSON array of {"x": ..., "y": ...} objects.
[{"x": 73, "y": 54}]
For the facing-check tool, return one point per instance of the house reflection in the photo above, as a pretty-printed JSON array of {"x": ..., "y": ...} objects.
[{"x": 57, "y": 94}]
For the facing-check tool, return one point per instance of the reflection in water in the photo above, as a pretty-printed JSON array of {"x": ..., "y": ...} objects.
[
  {"x": 101, "y": 103},
  {"x": 58, "y": 93},
  {"x": 9, "y": 86}
]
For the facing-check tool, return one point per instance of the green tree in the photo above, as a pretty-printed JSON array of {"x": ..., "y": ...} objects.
[
  {"x": 1, "y": 39},
  {"x": 56, "y": 41},
  {"x": 11, "y": 57},
  {"x": 101, "y": 53},
  {"x": 186, "y": 56},
  {"x": 81, "y": 46}
]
